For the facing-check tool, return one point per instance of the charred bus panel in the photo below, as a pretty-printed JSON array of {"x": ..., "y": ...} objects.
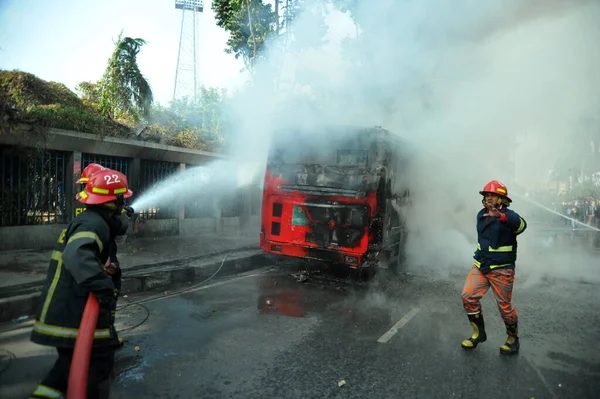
[{"x": 329, "y": 195}]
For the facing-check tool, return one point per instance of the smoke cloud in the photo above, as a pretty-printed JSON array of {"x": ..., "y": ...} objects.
[{"x": 499, "y": 90}]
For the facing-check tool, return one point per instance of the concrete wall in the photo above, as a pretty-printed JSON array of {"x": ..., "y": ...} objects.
[
  {"x": 66, "y": 140},
  {"x": 187, "y": 227},
  {"x": 190, "y": 227},
  {"x": 29, "y": 237},
  {"x": 44, "y": 236},
  {"x": 76, "y": 143},
  {"x": 157, "y": 228},
  {"x": 229, "y": 224}
]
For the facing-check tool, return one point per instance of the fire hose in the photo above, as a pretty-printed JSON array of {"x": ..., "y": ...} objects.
[{"x": 80, "y": 364}]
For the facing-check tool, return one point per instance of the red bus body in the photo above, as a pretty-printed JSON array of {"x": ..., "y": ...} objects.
[{"x": 328, "y": 195}]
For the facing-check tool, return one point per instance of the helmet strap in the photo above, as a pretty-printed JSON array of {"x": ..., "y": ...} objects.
[{"x": 120, "y": 200}]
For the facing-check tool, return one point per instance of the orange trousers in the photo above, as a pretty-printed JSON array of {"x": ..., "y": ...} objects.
[{"x": 477, "y": 284}]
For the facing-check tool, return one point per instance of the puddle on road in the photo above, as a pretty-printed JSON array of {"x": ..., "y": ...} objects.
[
  {"x": 129, "y": 369},
  {"x": 132, "y": 368},
  {"x": 285, "y": 295}
]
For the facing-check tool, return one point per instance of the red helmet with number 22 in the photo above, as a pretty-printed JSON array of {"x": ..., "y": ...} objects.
[{"x": 104, "y": 186}]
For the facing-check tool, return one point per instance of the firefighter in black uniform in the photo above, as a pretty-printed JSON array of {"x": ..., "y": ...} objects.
[
  {"x": 77, "y": 267},
  {"x": 120, "y": 223}
]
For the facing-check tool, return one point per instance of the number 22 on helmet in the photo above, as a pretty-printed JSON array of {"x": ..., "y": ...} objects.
[{"x": 103, "y": 187}]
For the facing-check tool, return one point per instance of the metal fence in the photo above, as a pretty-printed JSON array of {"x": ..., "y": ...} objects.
[
  {"x": 255, "y": 200},
  {"x": 204, "y": 203},
  {"x": 33, "y": 186},
  {"x": 115, "y": 163},
  {"x": 233, "y": 205},
  {"x": 153, "y": 173},
  {"x": 200, "y": 201},
  {"x": 200, "y": 206}
]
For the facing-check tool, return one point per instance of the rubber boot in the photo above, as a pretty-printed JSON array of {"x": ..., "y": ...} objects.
[
  {"x": 512, "y": 342},
  {"x": 479, "y": 334}
]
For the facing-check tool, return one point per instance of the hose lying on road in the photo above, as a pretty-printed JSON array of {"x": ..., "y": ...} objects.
[
  {"x": 182, "y": 291},
  {"x": 11, "y": 356}
]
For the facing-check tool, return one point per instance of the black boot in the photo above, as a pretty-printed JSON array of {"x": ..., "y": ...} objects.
[
  {"x": 479, "y": 334},
  {"x": 512, "y": 342}
]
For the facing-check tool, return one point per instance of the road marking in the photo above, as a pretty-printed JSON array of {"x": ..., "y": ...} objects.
[
  {"x": 541, "y": 377},
  {"x": 401, "y": 323}
]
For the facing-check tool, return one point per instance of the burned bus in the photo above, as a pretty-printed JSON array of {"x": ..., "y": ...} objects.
[{"x": 335, "y": 194}]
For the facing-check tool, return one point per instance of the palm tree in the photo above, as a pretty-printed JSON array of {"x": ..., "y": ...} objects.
[{"x": 125, "y": 92}]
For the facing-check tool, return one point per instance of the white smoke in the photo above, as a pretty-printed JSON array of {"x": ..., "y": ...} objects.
[{"x": 493, "y": 91}]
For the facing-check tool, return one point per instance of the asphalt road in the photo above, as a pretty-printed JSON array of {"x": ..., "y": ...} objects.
[{"x": 264, "y": 335}]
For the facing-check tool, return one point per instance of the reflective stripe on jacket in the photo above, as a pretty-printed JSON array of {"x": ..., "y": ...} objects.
[
  {"x": 497, "y": 241},
  {"x": 77, "y": 268}
]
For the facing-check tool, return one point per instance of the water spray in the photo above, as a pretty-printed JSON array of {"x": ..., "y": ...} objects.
[
  {"x": 526, "y": 198},
  {"x": 217, "y": 178}
]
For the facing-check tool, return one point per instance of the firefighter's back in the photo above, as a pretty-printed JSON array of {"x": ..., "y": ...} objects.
[{"x": 63, "y": 297}]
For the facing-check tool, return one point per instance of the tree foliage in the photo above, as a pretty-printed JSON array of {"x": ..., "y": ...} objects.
[
  {"x": 124, "y": 92},
  {"x": 305, "y": 33},
  {"x": 29, "y": 99},
  {"x": 199, "y": 124},
  {"x": 89, "y": 92},
  {"x": 250, "y": 24}
]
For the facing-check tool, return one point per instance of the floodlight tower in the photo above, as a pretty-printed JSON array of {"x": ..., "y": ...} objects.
[{"x": 185, "y": 74}]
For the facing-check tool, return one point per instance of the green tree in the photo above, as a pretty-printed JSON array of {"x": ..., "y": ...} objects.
[
  {"x": 250, "y": 23},
  {"x": 124, "y": 91},
  {"x": 89, "y": 92},
  {"x": 200, "y": 123},
  {"x": 313, "y": 28}
]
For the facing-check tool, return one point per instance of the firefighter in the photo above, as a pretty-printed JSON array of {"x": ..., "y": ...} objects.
[
  {"x": 77, "y": 268},
  {"x": 494, "y": 266},
  {"x": 112, "y": 267},
  {"x": 88, "y": 172}
]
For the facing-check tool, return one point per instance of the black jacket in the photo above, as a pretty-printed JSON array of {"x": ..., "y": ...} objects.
[
  {"x": 118, "y": 225},
  {"x": 77, "y": 268},
  {"x": 497, "y": 240}
]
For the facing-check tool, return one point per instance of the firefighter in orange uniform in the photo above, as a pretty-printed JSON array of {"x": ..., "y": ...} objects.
[
  {"x": 494, "y": 266},
  {"x": 77, "y": 268}
]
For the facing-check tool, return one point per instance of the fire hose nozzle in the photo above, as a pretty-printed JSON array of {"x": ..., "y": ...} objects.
[{"x": 129, "y": 210}]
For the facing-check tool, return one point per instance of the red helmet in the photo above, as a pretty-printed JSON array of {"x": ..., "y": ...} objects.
[
  {"x": 103, "y": 187},
  {"x": 495, "y": 187},
  {"x": 89, "y": 171}
]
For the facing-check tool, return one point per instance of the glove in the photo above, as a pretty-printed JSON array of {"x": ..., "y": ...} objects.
[
  {"x": 113, "y": 271},
  {"x": 129, "y": 210}
]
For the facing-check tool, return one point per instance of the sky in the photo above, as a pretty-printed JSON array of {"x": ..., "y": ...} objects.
[{"x": 70, "y": 41}]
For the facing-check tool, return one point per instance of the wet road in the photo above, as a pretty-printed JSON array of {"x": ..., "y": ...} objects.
[{"x": 263, "y": 334}]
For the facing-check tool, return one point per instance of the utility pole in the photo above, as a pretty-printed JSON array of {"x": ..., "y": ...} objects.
[
  {"x": 277, "y": 16},
  {"x": 186, "y": 84}
]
